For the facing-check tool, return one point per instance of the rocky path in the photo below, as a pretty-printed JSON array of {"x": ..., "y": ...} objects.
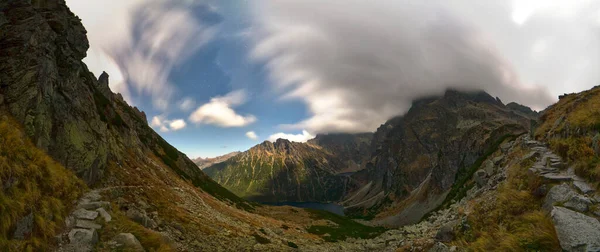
[
  {"x": 571, "y": 200},
  {"x": 86, "y": 220}
]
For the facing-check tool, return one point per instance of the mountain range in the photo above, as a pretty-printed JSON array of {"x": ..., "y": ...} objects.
[{"x": 81, "y": 170}]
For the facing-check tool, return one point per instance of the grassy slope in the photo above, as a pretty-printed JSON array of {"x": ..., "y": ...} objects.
[
  {"x": 513, "y": 220},
  {"x": 31, "y": 183},
  {"x": 571, "y": 127}
]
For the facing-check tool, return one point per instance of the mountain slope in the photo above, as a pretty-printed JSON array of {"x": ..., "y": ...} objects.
[
  {"x": 75, "y": 118},
  {"x": 283, "y": 171},
  {"x": 206, "y": 162},
  {"x": 418, "y": 157}
]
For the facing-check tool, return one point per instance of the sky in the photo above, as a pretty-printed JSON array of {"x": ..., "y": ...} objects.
[{"x": 216, "y": 76}]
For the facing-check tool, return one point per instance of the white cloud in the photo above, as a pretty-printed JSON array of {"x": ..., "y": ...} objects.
[
  {"x": 165, "y": 125},
  {"x": 187, "y": 104},
  {"x": 141, "y": 42},
  {"x": 177, "y": 124},
  {"x": 252, "y": 135},
  {"x": 301, "y": 138},
  {"x": 355, "y": 71},
  {"x": 219, "y": 111}
]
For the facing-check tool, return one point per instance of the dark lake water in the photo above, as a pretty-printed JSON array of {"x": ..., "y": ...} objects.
[{"x": 330, "y": 207}]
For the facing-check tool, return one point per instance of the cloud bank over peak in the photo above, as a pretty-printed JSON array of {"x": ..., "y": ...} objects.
[
  {"x": 358, "y": 63},
  {"x": 219, "y": 111}
]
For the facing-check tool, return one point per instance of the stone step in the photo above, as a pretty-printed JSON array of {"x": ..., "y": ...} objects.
[
  {"x": 87, "y": 224},
  {"x": 556, "y": 177},
  {"x": 85, "y": 214},
  {"x": 94, "y": 205}
]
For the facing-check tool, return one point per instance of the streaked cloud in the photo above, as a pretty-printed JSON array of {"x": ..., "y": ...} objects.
[
  {"x": 187, "y": 104},
  {"x": 139, "y": 42},
  {"x": 357, "y": 63},
  {"x": 219, "y": 111}
]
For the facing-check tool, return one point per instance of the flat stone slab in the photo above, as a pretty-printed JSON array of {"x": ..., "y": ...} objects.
[
  {"x": 85, "y": 214},
  {"x": 584, "y": 187},
  {"x": 557, "y": 177},
  {"x": 95, "y": 205},
  {"x": 87, "y": 224},
  {"x": 576, "y": 231}
]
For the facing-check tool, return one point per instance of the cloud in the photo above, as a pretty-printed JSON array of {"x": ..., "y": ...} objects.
[
  {"x": 165, "y": 125},
  {"x": 187, "y": 104},
  {"x": 358, "y": 63},
  {"x": 177, "y": 124},
  {"x": 252, "y": 135},
  {"x": 301, "y": 138},
  {"x": 141, "y": 41},
  {"x": 219, "y": 111}
]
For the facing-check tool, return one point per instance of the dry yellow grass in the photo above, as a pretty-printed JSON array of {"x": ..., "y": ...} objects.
[
  {"x": 513, "y": 221},
  {"x": 31, "y": 182}
]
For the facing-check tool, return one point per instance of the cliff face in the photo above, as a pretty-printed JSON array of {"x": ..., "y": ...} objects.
[
  {"x": 353, "y": 150},
  {"x": 418, "y": 157},
  {"x": 283, "y": 171}
]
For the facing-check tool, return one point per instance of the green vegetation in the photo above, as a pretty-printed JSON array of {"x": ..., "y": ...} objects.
[
  {"x": 344, "y": 227},
  {"x": 32, "y": 183},
  {"x": 291, "y": 244},
  {"x": 260, "y": 239},
  {"x": 513, "y": 221}
]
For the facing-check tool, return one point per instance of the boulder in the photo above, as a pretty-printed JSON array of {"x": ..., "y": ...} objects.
[
  {"x": 128, "y": 242},
  {"x": 85, "y": 214},
  {"x": 140, "y": 217},
  {"x": 497, "y": 160},
  {"x": 489, "y": 167},
  {"x": 83, "y": 236},
  {"x": 24, "y": 227},
  {"x": 480, "y": 177},
  {"x": 576, "y": 231},
  {"x": 439, "y": 247},
  {"x": 558, "y": 194},
  {"x": 447, "y": 232}
]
